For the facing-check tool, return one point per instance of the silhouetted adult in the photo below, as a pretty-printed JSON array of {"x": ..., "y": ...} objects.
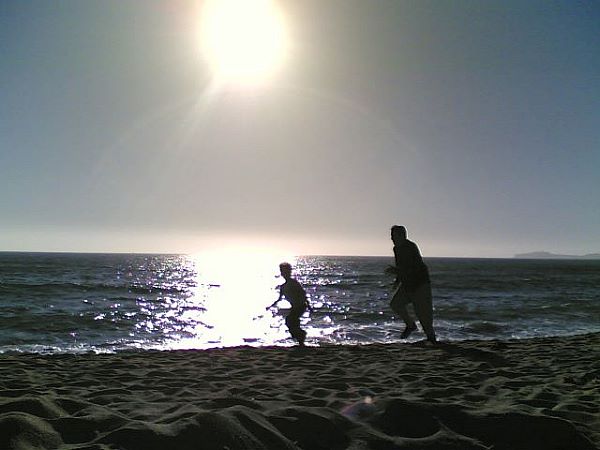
[{"x": 413, "y": 285}]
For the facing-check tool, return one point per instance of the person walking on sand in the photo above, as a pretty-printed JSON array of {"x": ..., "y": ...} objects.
[
  {"x": 413, "y": 285},
  {"x": 293, "y": 291}
]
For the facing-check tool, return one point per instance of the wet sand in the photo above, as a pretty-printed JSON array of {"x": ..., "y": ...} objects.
[{"x": 528, "y": 394}]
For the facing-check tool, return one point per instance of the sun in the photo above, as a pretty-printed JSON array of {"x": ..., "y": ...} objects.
[{"x": 243, "y": 40}]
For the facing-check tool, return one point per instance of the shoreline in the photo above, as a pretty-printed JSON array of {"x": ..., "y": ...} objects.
[
  {"x": 523, "y": 393},
  {"x": 287, "y": 344}
]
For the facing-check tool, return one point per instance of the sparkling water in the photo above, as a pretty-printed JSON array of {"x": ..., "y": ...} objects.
[{"x": 107, "y": 302}]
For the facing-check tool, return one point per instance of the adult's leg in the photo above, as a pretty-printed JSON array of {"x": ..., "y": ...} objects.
[
  {"x": 423, "y": 303},
  {"x": 400, "y": 300}
]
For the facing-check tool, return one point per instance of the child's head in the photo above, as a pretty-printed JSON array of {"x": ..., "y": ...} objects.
[{"x": 286, "y": 270}]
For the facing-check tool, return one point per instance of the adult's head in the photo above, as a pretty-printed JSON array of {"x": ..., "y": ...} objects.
[
  {"x": 398, "y": 234},
  {"x": 286, "y": 270}
]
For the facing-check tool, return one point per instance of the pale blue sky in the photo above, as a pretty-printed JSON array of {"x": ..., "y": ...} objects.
[{"x": 474, "y": 123}]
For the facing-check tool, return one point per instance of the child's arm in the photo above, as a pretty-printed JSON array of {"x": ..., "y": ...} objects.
[{"x": 276, "y": 301}]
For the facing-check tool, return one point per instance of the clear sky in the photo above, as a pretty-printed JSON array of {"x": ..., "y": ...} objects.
[{"x": 476, "y": 124}]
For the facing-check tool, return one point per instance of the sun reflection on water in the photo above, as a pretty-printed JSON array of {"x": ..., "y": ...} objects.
[{"x": 233, "y": 288}]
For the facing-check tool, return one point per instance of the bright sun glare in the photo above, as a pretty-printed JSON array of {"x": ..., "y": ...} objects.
[
  {"x": 244, "y": 40},
  {"x": 234, "y": 286}
]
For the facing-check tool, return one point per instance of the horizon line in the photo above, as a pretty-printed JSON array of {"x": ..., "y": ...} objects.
[{"x": 83, "y": 252}]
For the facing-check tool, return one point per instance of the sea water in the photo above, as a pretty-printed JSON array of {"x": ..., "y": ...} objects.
[{"x": 109, "y": 302}]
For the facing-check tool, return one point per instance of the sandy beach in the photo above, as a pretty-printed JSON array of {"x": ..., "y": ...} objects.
[{"x": 528, "y": 394}]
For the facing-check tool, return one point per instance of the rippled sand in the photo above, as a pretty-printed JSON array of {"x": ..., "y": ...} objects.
[{"x": 530, "y": 394}]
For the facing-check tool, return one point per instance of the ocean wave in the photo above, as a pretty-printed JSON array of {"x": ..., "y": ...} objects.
[
  {"x": 65, "y": 287},
  {"x": 43, "y": 286},
  {"x": 484, "y": 327}
]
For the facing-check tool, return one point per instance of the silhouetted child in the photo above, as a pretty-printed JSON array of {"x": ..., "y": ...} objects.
[{"x": 296, "y": 295}]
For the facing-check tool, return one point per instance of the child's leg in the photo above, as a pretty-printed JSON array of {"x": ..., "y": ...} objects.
[{"x": 293, "y": 323}]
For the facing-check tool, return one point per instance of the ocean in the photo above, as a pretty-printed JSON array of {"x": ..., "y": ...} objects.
[{"x": 60, "y": 302}]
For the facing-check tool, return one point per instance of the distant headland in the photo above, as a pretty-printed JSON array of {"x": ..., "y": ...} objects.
[{"x": 548, "y": 255}]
